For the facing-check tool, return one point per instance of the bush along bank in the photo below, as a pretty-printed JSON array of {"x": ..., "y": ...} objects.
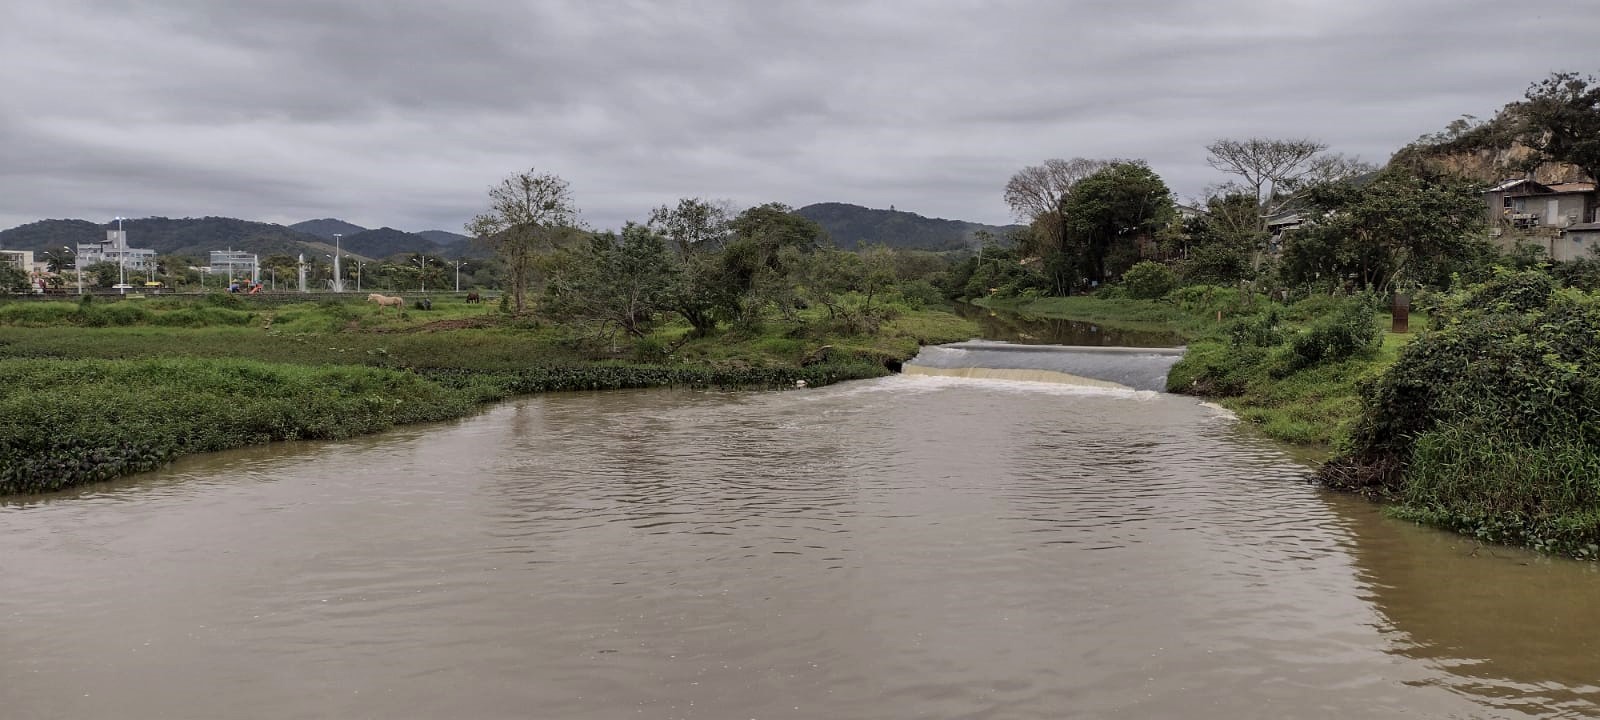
[
  {"x": 94, "y": 420},
  {"x": 1291, "y": 370},
  {"x": 1489, "y": 423},
  {"x": 91, "y": 420}
]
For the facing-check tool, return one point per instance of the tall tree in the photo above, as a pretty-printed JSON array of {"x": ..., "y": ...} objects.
[
  {"x": 694, "y": 224},
  {"x": 622, "y": 280},
  {"x": 698, "y": 229},
  {"x": 1400, "y": 226},
  {"x": 1562, "y": 120},
  {"x": 1113, "y": 208},
  {"x": 1219, "y": 245},
  {"x": 529, "y": 213},
  {"x": 767, "y": 243},
  {"x": 1036, "y": 195},
  {"x": 1279, "y": 172}
]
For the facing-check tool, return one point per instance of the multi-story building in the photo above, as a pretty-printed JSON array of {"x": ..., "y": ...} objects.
[
  {"x": 115, "y": 250},
  {"x": 19, "y": 259}
]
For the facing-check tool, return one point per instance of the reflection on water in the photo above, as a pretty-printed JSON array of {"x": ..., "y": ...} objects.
[
  {"x": 1018, "y": 328},
  {"x": 1513, "y": 628},
  {"x": 905, "y": 547}
]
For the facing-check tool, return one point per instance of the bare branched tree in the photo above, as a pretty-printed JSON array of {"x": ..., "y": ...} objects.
[
  {"x": 529, "y": 213},
  {"x": 1036, "y": 194},
  {"x": 1278, "y": 172}
]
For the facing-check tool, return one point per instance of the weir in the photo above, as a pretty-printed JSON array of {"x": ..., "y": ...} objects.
[{"x": 1113, "y": 367}]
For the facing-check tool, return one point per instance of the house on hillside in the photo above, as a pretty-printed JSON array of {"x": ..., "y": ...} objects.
[
  {"x": 1281, "y": 223},
  {"x": 1558, "y": 217},
  {"x": 1526, "y": 204}
]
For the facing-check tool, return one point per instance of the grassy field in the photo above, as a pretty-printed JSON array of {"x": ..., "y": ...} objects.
[{"x": 96, "y": 390}]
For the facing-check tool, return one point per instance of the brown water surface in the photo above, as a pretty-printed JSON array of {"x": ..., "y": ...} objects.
[{"x": 912, "y": 547}]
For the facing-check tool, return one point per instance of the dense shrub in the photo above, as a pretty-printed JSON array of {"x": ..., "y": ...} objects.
[
  {"x": 1207, "y": 300},
  {"x": 1340, "y": 336},
  {"x": 1491, "y": 424},
  {"x": 1507, "y": 292},
  {"x": 1260, "y": 330},
  {"x": 89, "y": 420},
  {"x": 39, "y": 314},
  {"x": 1149, "y": 280}
]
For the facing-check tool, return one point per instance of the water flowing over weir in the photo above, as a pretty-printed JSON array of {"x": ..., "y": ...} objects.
[{"x": 1117, "y": 367}]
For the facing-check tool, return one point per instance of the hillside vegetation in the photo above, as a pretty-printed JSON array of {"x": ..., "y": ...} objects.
[{"x": 853, "y": 226}]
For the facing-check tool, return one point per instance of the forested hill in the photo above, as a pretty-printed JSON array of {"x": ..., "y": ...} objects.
[
  {"x": 195, "y": 237},
  {"x": 853, "y": 226},
  {"x": 326, "y": 228},
  {"x": 386, "y": 241}
]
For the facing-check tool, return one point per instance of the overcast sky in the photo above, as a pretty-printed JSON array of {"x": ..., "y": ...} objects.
[{"x": 403, "y": 112}]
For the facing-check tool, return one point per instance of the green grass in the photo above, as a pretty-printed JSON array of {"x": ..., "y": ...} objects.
[
  {"x": 93, "y": 391},
  {"x": 1144, "y": 315},
  {"x": 86, "y": 420},
  {"x": 1315, "y": 407}
]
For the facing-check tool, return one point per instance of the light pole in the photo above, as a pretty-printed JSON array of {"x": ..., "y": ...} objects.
[
  {"x": 122, "y": 256},
  {"x": 358, "y": 272},
  {"x": 459, "y": 263},
  {"x": 77, "y": 268},
  {"x": 422, "y": 274}
]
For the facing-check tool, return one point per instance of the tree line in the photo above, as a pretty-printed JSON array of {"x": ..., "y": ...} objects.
[
  {"x": 697, "y": 259},
  {"x": 1290, "y": 216}
]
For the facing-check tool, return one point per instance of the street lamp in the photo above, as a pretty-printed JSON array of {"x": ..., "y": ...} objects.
[
  {"x": 422, "y": 274},
  {"x": 77, "y": 267},
  {"x": 459, "y": 263},
  {"x": 358, "y": 272},
  {"x": 122, "y": 257}
]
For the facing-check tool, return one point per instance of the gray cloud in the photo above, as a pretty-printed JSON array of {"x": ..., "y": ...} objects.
[{"x": 403, "y": 113}]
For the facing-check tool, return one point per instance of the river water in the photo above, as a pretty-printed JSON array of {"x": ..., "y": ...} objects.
[{"x": 910, "y": 547}]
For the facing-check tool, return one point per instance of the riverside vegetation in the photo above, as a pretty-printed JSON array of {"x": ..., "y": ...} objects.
[
  {"x": 1485, "y": 421},
  {"x": 123, "y": 387}
]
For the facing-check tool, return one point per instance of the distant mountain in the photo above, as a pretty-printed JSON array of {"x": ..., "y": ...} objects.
[
  {"x": 444, "y": 238},
  {"x": 386, "y": 241},
  {"x": 326, "y": 228},
  {"x": 195, "y": 237},
  {"x": 853, "y": 226}
]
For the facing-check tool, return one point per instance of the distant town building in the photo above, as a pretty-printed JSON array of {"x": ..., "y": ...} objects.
[
  {"x": 19, "y": 259},
  {"x": 115, "y": 250},
  {"x": 236, "y": 264}
]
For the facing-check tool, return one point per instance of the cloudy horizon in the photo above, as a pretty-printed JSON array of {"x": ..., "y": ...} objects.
[{"x": 405, "y": 113}]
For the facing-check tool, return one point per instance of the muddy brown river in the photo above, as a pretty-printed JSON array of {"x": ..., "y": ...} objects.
[{"x": 911, "y": 547}]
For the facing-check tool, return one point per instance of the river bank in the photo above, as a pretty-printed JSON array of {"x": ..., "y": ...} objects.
[
  {"x": 89, "y": 392},
  {"x": 1313, "y": 407},
  {"x": 1484, "y": 423}
]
